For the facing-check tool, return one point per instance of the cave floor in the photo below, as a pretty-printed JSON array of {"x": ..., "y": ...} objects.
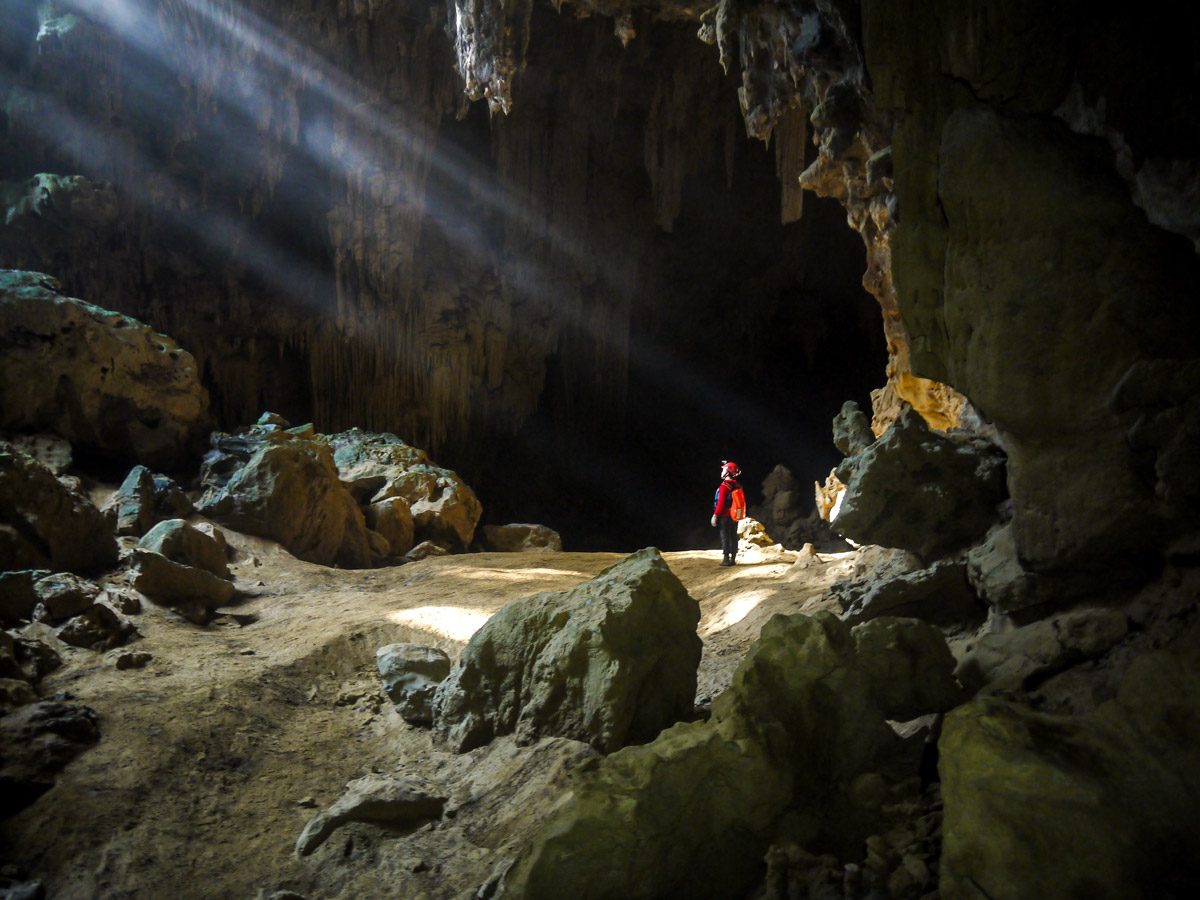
[{"x": 215, "y": 755}]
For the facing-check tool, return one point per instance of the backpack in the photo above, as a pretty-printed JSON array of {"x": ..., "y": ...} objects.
[{"x": 737, "y": 503}]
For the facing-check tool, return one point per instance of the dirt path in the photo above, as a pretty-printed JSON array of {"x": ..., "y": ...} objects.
[{"x": 216, "y": 754}]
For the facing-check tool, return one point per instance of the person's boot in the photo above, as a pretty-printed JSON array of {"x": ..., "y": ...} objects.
[{"x": 726, "y": 561}]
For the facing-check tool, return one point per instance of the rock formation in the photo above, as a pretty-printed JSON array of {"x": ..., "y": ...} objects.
[
  {"x": 45, "y": 522},
  {"x": 611, "y": 662},
  {"x": 98, "y": 379},
  {"x": 804, "y": 717}
]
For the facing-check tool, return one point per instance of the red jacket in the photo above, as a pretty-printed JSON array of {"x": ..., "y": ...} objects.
[{"x": 722, "y": 503}]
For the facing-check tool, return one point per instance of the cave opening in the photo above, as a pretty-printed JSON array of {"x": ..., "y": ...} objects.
[{"x": 744, "y": 335}]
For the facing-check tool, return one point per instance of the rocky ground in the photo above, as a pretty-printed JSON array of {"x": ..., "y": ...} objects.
[{"x": 216, "y": 753}]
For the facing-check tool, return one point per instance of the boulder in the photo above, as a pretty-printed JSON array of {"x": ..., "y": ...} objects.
[
  {"x": 144, "y": 499},
  {"x": 919, "y": 490},
  {"x": 288, "y": 490},
  {"x": 689, "y": 815},
  {"x": 96, "y": 628},
  {"x": 191, "y": 590},
  {"x": 518, "y": 538},
  {"x": 939, "y": 594},
  {"x": 610, "y": 662},
  {"x": 99, "y": 379},
  {"x": 1023, "y": 657},
  {"x": 393, "y": 519},
  {"x": 36, "y": 742},
  {"x": 411, "y": 674},
  {"x": 65, "y": 595},
  {"x": 425, "y": 550},
  {"x": 188, "y": 545},
  {"x": 397, "y": 803},
  {"x": 17, "y": 594},
  {"x": 378, "y": 466},
  {"x": 45, "y": 524},
  {"x": 1041, "y": 806},
  {"x": 804, "y": 718}
]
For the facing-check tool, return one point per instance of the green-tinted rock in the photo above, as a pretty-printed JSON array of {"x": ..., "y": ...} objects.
[
  {"x": 289, "y": 491},
  {"x": 1104, "y": 806},
  {"x": 692, "y": 813},
  {"x": 609, "y": 662},
  {"x": 686, "y": 816}
]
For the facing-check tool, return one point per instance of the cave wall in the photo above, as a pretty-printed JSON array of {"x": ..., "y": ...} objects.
[{"x": 1033, "y": 274}]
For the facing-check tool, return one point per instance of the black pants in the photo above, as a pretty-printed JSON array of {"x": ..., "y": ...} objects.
[{"x": 728, "y": 529}]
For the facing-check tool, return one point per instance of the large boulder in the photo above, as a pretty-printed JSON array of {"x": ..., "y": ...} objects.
[
  {"x": 97, "y": 378},
  {"x": 45, "y": 524},
  {"x": 1103, "y": 805},
  {"x": 288, "y": 490},
  {"x": 378, "y": 466},
  {"x": 805, "y": 715},
  {"x": 179, "y": 565},
  {"x": 610, "y": 662},
  {"x": 920, "y": 490}
]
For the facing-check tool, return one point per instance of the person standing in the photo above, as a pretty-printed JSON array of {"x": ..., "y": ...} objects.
[{"x": 722, "y": 517}]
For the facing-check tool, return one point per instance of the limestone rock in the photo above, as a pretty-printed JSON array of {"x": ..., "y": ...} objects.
[
  {"x": 96, "y": 628},
  {"x": 96, "y": 378},
  {"x": 636, "y": 826},
  {"x": 45, "y": 524},
  {"x": 36, "y": 741},
  {"x": 806, "y": 675},
  {"x": 186, "y": 544},
  {"x": 804, "y": 717},
  {"x": 132, "y": 659},
  {"x": 288, "y": 490},
  {"x": 379, "y": 466},
  {"x": 17, "y": 594},
  {"x": 395, "y": 802},
  {"x": 144, "y": 499},
  {"x": 852, "y": 430},
  {"x": 1042, "y": 806},
  {"x": 920, "y": 490},
  {"x": 393, "y": 519},
  {"x": 66, "y": 595},
  {"x": 940, "y": 594},
  {"x": 193, "y": 591},
  {"x": 1017, "y": 659},
  {"x": 518, "y": 538},
  {"x": 411, "y": 674},
  {"x": 425, "y": 550},
  {"x": 610, "y": 662},
  {"x": 997, "y": 573}
]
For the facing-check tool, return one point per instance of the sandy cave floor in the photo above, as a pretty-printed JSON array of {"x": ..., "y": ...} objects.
[{"x": 214, "y": 756}]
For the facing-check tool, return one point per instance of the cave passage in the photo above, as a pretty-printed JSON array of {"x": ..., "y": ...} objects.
[{"x": 583, "y": 306}]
